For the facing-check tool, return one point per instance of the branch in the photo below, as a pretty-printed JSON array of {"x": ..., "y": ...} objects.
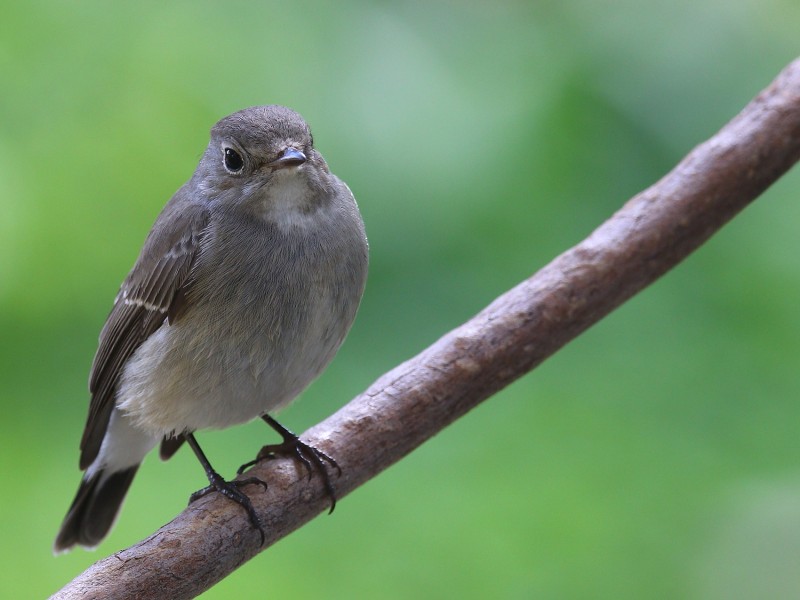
[{"x": 653, "y": 232}]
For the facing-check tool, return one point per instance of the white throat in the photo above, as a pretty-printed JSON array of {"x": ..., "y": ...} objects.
[{"x": 288, "y": 201}]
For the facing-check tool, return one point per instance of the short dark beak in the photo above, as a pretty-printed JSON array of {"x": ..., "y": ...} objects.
[{"x": 291, "y": 157}]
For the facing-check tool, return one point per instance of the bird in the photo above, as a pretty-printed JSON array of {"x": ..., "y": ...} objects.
[{"x": 243, "y": 292}]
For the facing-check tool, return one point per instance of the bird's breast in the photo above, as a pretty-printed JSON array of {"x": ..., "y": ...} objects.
[{"x": 266, "y": 313}]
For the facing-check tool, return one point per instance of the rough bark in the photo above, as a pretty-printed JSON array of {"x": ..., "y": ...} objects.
[{"x": 649, "y": 235}]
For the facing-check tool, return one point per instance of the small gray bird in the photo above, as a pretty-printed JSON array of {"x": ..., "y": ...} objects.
[{"x": 243, "y": 292}]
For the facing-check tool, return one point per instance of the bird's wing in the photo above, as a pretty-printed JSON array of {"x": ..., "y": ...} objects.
[{"x": 154, "y": 291}]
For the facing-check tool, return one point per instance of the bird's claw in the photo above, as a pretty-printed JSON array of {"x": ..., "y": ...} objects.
[
  {"x": 231, "y": 490},
  {"x": 313, "y": 459}
]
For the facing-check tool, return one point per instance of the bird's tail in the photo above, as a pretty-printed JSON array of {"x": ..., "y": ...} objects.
[{"x": 94, "y": 509}]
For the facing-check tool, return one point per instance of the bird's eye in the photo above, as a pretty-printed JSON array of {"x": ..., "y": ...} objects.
[{"x": 233, "y": 160}]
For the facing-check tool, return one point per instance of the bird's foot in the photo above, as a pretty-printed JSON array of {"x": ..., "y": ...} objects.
[
  {"x": 313, "y": 459},
  {"x": 231, "y": 490}
]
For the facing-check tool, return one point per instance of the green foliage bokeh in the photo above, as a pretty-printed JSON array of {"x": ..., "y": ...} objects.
[{"x": 656, "y": 456}]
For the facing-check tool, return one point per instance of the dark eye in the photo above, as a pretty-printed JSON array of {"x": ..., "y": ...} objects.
[{"x": 233, "y": 160}]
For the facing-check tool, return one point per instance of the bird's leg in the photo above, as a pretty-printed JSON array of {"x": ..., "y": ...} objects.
[
  {"x": 229, "y": 489},
  {"x": 313, "y": 459}
]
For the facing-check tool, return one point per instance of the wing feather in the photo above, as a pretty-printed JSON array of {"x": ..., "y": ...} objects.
[{"x": 146, "y": 299}]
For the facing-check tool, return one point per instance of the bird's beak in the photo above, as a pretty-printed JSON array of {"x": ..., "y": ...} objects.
[{"x": 291, "y": 157}]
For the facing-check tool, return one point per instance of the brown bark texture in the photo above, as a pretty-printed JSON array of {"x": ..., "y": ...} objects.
[{"x": 649, "y": 235}]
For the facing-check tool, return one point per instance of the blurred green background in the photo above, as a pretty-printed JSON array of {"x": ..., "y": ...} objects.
[{"x": 655, "y": 457}]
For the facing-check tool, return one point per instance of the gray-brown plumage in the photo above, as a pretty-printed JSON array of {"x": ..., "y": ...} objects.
[{"x": 243, "y": 292}]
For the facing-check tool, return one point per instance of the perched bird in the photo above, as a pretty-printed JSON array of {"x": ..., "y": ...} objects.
[{"x": 243, "y": 292}]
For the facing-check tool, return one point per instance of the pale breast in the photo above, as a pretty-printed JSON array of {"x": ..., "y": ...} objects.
[{"x": 260, "y": 326}]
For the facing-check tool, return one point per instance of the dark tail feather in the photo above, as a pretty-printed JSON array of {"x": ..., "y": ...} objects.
[{"x": 94, "y": 509}]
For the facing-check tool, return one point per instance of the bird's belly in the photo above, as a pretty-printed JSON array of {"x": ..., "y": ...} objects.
[{"x": 208, "y": 371}]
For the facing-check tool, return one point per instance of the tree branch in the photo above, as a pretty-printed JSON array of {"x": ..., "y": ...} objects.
[{"x": 653, "y": 232}]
